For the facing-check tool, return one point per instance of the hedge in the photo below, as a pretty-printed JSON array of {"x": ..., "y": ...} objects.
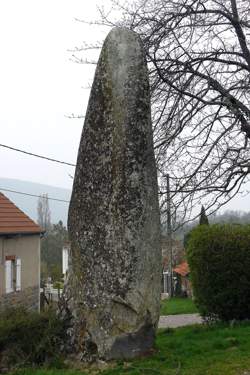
[
  {"x": 219, "y": 261},
  {"x": 29, "y": 338}
]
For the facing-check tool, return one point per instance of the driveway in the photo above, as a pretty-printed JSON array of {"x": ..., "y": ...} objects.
[{"x": 173, "y": 321}]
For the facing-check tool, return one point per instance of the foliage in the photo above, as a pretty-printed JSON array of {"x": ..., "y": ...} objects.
[
  {"x": 43, "y": 212},
  {"x": 51, "y": 251},
  {"x": 186, "y": 239},
  {"x": 228, "y": 216},
  {"x": 51, "y": 243},
  {"x": 195, "y": 350},
  {"x": 219, "y": 260},
  {"x": 29, "y": 338},
  {"x": 199, "y": 66},
  {"x": 178, "y": 305},
  {"x": 203, "y": 220},
  {"x": 233, "y": 217},
  {"x": 58, "y": 285}
]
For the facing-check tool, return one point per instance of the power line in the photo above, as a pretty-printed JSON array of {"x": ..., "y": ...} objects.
[
  {"x": 37, "y": 156},
  {"x": 33, "y": 195}
]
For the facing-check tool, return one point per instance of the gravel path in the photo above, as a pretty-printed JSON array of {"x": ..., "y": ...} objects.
[{"x": 173, "y": 321}]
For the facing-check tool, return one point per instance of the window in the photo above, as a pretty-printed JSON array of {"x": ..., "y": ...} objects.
[
  {"x": 65, "y": 260},
  {"x": 12, "y": 274},
  {"x": 9, "y": 276},
  {"x": 18, "y": 274}
]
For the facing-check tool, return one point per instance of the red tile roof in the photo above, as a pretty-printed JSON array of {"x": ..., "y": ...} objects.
[
  {"x": 182, "y": 269},
  {"x": 13, "y": 220}
]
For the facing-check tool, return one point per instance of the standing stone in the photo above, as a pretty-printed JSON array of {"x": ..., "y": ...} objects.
[{"x": 113, "y": 288}]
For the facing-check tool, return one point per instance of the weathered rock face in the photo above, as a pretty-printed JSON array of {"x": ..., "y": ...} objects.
[{"x": 113, "y": 289}]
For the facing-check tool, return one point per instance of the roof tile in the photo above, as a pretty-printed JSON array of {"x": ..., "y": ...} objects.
[
  {"x": 13, "y": 220},
  {"x": 182, "y": 269}
]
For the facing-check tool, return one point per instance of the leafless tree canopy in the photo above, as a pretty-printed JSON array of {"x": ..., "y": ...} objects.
[
  {"x": 43, "y": 212},
  {"x": 199, "y": 65}
]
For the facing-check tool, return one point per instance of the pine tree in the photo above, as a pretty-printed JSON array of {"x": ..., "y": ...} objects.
[{"x": 203, "y": 217}]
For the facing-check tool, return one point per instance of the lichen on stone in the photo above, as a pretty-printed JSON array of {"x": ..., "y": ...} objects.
[{"x": 113, "y": 287}]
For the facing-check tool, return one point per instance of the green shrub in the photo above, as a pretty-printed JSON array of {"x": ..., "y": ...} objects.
[
  {"x": 58, "y": 285},
  {"x": 29, "y": 338},
  {"x": 219, "y": 260}
]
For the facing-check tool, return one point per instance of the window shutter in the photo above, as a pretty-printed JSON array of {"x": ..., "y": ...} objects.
[
  {"x": 18, "y": 274},
  {"x": 65, "y": 259},
  {"x": 8, "y": 276}
]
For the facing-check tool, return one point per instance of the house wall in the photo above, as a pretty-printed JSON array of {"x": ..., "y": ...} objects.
[
  {"x": 27, "y": 248},
  {"x": 177, "y": 252},
  {"x": 186, "y": 285}
]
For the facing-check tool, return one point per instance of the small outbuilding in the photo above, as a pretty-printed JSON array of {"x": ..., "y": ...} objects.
[{"x": 19, "y": 258}]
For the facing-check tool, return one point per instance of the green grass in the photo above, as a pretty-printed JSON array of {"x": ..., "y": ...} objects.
[
  {"x": 176, "y": 305},
  {"x": 192, "y": 350}
]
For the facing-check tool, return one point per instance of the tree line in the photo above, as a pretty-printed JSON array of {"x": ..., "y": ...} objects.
[
  {"x": 51, "y": 243},
  {"x": 199, "y": 67}
]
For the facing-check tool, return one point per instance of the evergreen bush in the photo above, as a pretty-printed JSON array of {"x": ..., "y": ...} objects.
[
  {"x": 219, "y": 260},
  {"x": 29, "y": 338}
]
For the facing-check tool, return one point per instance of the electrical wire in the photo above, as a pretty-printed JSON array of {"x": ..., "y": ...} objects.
[
  {"x": 33, "y": 195},
  {"x": 38, "y": 156}
]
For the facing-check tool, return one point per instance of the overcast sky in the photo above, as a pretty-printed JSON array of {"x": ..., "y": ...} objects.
[{"x": 39, "y": 85}]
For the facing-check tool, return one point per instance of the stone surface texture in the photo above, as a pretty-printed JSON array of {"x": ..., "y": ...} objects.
[{"x": 114, "y": 282}]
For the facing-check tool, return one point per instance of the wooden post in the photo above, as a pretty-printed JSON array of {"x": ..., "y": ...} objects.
[{"x": 169, "y": 233}]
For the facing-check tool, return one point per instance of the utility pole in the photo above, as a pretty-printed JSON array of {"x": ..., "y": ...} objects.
[{"x": 169, "y": 233}]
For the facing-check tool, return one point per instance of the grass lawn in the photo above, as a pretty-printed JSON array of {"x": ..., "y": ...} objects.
[
  {"x": 176, "y": 305},
  {"x": 192, "y": 350}
]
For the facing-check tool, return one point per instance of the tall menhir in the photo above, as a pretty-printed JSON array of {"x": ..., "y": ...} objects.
[{"x": 113, "y": 288}]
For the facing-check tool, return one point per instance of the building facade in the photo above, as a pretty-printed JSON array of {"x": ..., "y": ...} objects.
[{"x": 19, "y": 258}]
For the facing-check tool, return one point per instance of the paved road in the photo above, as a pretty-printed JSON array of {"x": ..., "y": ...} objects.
[{"x": 173, "y": 321}]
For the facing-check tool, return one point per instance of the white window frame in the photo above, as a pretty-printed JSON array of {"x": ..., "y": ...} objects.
[
  {"x": 18, "y": 274},
  {"x": 65, "y": 260},
  {"x": 9, "y": 276},
  {"x": 13, "y": 272}
]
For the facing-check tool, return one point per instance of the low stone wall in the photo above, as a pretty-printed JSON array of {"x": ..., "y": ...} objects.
[{"x": 27, "y": 298}]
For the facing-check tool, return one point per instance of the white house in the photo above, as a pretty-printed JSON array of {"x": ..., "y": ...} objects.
[
  {"x": 19, "y": 257},
  {"x": 65, "y": 258}
]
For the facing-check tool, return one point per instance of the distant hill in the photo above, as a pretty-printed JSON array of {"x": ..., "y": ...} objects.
[{"x": 59, "y": 210}]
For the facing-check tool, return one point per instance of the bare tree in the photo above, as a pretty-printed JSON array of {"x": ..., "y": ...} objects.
[
  {"x": 199, "y": 65},
  {"x": 43, "y": 212}
]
